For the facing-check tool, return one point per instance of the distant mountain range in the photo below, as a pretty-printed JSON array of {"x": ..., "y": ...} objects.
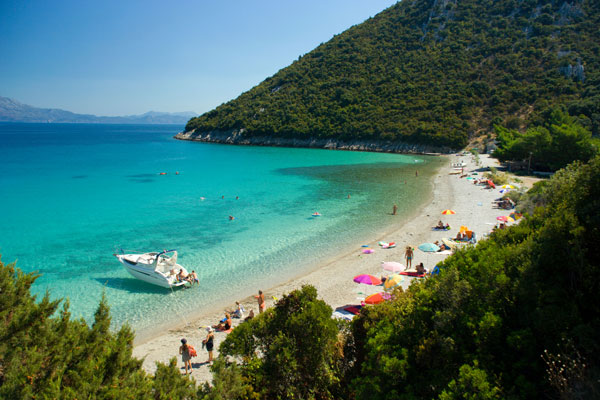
[{"x": 14, "y": 111}]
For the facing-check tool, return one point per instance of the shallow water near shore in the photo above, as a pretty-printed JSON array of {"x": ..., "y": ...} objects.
[{"x": 74, "y": 194}]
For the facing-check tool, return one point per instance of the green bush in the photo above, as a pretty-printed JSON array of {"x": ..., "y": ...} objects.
[{"x": 47, "y": 356}]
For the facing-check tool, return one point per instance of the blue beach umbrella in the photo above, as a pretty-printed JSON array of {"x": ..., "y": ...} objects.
[{"x": 428, "y": 247}]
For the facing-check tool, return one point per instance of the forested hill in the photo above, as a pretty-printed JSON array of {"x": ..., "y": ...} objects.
[{"x": 428, "y": 71}]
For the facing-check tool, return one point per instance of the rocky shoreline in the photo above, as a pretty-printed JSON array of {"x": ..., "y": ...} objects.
[{"x": 237, "y": 137}]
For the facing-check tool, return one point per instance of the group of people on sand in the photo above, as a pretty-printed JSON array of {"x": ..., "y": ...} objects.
[
  {"x": 505, "y": 204},
  {"x": 443, "y": 246},
  {"x": 409, "y": 255},
  {"x": 187, "y": 351}
]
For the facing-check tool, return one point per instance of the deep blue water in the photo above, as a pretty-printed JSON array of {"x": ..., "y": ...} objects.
[{"x": 73, "y": 194}]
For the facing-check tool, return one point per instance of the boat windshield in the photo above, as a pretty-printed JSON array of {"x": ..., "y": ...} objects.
[{"x": 165, "y": 262}]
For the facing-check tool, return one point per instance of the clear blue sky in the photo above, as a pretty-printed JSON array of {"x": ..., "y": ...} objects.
[{"x": 127, "y": 57}]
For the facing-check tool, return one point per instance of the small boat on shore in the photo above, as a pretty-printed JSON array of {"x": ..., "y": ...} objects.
[{"x": 157, "y": 268}]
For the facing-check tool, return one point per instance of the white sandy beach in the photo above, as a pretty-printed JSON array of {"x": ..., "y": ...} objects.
[{"x": 333, "y": 277}]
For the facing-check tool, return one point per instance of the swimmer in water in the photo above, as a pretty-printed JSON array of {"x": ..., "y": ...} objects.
[{"x": 231, "y": 218}]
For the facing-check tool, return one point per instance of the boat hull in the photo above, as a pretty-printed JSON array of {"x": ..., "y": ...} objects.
[{"x": 149, "y": 275}]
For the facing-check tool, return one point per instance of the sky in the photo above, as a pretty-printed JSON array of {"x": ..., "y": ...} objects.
[{"x": 129, "y": 57}]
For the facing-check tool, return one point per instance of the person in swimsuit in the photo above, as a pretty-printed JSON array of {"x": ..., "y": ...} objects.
[
  {"x": 409, "y": 256},
  {"x": 261, "y": 301},
  {"x": 225, "y": 324},
  {"x": 184, "y": 350},
  {"x": 209, "y": 342}
]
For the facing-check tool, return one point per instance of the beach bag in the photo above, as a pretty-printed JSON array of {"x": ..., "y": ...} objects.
[{"x": 192, "y": 351}]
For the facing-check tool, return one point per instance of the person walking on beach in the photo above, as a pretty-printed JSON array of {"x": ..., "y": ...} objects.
[
  {"x": 394, "y": 209},
  {"x": 409, "y": 256},
  {"x": 261, "y": 301},
  {"x": 209, "y": 343},
  {"x": 186, "y": 357},
  {"x": 417, "y": 173}
]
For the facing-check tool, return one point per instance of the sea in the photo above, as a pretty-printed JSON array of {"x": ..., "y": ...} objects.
[{"x": 72, "y": 195}]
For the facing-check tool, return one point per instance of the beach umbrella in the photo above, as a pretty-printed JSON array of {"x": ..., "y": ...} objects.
[
  {"x": 515, "y": 215},
  {"x": 377, "y": 298},
  {"x": 504, "y": 218},
  {"x": 393, "y": 281},
  {"x": 392, "y": 266},
  {"x": 448, "y": 212},
  {"x": 450, "y": 243},
  {"x": 428, "y": 247},
  {"x": 367, "y": 279},
  {"x": 507, "y": 187}
]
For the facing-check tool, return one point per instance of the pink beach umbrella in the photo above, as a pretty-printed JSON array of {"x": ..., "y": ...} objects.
[
  {"x": 392, "y": 266},
  {"x": 367, "y": 279}
]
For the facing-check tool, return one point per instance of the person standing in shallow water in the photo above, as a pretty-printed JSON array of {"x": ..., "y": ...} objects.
[{"x": 394, "y": 209}]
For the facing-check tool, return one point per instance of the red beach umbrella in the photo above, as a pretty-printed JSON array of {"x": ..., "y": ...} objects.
[
  {"x": 377, "y": 298},
  {"x": 367, "y": 279},
  {"x": 448, "y": 212}
]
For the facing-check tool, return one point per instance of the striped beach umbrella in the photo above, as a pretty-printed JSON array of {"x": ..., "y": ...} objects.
[
  {"x": 393, "y": 281},
  {"x": 448, "y": 212},
  {"x": 367, "y": 279}
]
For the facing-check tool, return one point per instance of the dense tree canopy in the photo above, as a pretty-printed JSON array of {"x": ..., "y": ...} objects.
[
  {"x": 558, "y": 142},
  {"x": 52, "y": 357},
  {"x": 497, "y": 311},
  {"x": 433, "y": 72}
]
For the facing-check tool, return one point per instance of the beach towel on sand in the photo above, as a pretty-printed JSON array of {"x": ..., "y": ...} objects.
[{"x": 412, "y": 273}]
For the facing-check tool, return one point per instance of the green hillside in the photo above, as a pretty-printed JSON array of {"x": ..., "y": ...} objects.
[{"x": 430, "y": 71}]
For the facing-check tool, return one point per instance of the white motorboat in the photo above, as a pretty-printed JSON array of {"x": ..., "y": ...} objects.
[{"x": 156, "y": 268}]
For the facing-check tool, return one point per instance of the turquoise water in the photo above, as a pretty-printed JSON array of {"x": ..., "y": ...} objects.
[{"x": 74, "y": 194}]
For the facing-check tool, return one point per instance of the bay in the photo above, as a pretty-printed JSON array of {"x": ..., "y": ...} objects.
[{"x": 72, "y": 195}]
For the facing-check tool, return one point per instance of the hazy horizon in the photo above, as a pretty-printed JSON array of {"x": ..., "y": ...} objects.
[{"x": 113, "y": 58}]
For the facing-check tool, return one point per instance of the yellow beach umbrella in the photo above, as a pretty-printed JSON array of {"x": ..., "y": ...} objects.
[
  {"x": 393, "y": 281},
  {"x": 448, "y": 212}
]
